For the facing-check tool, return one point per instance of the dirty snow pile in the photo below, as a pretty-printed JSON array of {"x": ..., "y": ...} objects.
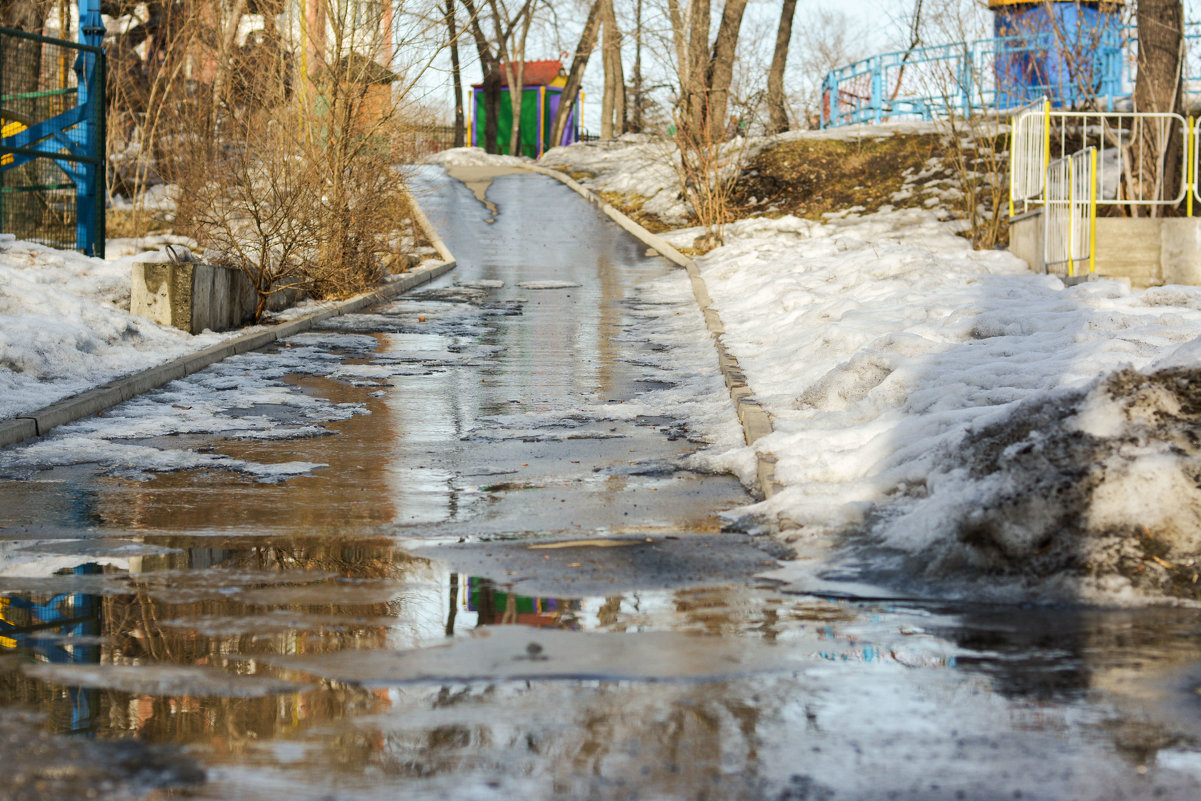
[
  {"x": 955, "y": 415},
  {"x": 65, "y": 324}
]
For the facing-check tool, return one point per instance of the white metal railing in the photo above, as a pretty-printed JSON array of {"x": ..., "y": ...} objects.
[
  {"x": 1125, "y": 142},
  {"x": 1028, "y": 154},
  {"x": 1070, "y": 212}
]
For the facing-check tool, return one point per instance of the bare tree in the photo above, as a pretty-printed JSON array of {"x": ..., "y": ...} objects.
[
  {"x": 1158, "y": 88},
  {"x": 490, "y": 66},
  {"x": 707, "y": 168},
  {"x": 575, "y": 75},
  {"x": 613, "y": 105},
  {"x": 721, "y": 64},
  {"x": 639, "y": 104},
  {"x": 511, "y": 33},
  {"x": 776, "y": 106},
  {"x": 456, "y": 76}
]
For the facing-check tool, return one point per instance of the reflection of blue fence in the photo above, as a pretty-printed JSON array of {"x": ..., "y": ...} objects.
[{"x": 63, "y": 630}]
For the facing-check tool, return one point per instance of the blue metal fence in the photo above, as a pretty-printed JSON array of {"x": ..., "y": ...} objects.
[
  {"x": 930, "y": 82},
  {"x": 52, "y": 137}
]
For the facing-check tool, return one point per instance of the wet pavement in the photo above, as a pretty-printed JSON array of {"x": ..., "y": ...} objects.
[{"x": 458, "y": 547}]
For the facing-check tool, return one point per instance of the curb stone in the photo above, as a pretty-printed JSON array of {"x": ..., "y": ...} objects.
[
  {"x": 756, "y": 422},
  {"x": 39, "y": 423}
]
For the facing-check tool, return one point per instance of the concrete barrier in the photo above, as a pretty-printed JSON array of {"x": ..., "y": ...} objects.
[{"x": 1145, "y": 251}]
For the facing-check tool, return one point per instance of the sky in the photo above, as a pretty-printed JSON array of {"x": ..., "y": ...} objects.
[{"x": 869, "y": 25}]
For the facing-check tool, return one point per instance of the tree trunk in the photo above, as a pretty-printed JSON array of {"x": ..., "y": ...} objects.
[
  {"x": 694, "y": 89},
  {"x": 721, "y": 65},
  {"x": 576, "y": 75},
  {"x": 1158, "y": 88},
  {"x": 679, "y": 39},
  {"x": 491, "y": 72},
  {"x": 456, "y": 77},
  {"x": 22, "y": 64},
  {"x": 777, "y": 108},
  {"x": 517, "y": 79},
  {"x": 609, "y": 20},
  {"x": 636, "y": 119}
]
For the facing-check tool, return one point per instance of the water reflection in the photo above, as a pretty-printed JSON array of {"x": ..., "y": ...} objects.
[{"x": 59, "y": 629}]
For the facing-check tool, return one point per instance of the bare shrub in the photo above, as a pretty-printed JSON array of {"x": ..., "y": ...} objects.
[{"x": 290, "y": 178}]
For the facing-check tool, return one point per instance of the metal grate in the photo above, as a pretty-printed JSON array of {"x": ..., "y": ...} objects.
[{"x": 52, "y": 141}]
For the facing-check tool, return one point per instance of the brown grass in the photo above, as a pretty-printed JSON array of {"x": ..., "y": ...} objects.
[{"x": 812, "y": 177}]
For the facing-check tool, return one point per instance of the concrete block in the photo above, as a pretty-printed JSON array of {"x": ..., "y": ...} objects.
[
  {"x": 1127, "y": 248},
  {"x": 285, "y": 330},
  {"x": 153, "y": 378},
  {"x": 1181, "y": 255},
  {"x": 1130, "y": 248},
  {"x": 191, "y": 296},
  {"x": 756, "y": 424},
  {"x": 17, "y": 430},
  {"x": 1026, "y": 239}
]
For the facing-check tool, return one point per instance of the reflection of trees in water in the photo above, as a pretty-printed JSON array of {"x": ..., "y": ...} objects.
[{"x": 182, "y": 602}]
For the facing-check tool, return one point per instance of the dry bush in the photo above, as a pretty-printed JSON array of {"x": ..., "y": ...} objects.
[
  {"x": 709, "y": 165},
  {"x": 298, "y": 190},
  {"x": 976, "y": 153}
]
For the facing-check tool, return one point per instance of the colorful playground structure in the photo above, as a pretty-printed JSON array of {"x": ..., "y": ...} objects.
[
  {"x": 1078, "y": 54},
  {"x": 541, "y": 97}
]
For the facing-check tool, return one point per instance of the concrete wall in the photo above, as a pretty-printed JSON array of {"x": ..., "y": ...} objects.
[
  {"x": 1146, "y": 251},
  {"x": 1026, "y": 239},
  {"x": 191, "y": 296}
]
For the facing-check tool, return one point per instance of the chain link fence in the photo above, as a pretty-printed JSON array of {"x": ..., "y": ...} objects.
[{"x": 52, "y": 141}]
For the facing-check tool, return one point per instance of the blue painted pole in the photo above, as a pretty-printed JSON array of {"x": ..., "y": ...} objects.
[
  {"x": 89, "y": 189},
  {"x": 878, "y": 89}
]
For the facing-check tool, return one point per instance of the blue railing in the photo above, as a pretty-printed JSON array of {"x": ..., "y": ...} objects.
[{"x": 931, "y": 82}]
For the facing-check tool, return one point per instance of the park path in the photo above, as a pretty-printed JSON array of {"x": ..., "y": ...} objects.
[{"x": 297, "y": 574}]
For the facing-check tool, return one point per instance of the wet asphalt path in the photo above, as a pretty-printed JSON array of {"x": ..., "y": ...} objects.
[{"x": 450, "y": 549}]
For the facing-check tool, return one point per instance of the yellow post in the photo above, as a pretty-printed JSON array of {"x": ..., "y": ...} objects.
[
  {"x": 543, "y": 134},
  {"x": 1092, "y": 216}
]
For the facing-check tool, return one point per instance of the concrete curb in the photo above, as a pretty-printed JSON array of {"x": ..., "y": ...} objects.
[
  {"x": 40, "y": 422},
  {"x": 428, "y": 229},
  {"x": 756, "y": 422}
]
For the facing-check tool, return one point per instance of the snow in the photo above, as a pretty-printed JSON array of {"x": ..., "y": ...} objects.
[
  {"x": 635, "y": 165},
  {"x": 475, "y": 157},
  {"x": 943, "y": 415},
  {"x": 885, "y": 348},
  {"x": 547, "y": 284},
  {"x": 65, "y": 324}
]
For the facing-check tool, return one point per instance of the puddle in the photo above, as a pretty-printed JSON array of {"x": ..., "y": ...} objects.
[{"x": 464, "y": 601}]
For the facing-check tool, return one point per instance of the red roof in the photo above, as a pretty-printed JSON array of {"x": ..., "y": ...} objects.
[{"x": 537, "y": 73}]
